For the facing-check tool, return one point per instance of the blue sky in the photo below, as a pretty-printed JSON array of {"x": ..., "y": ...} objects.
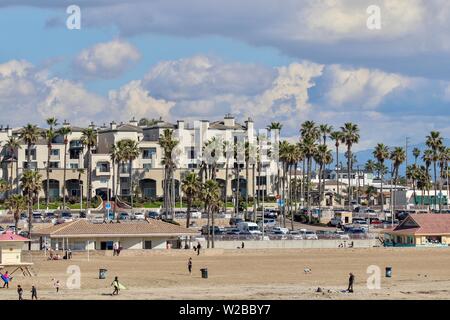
[{"x": 288, "y": 62}]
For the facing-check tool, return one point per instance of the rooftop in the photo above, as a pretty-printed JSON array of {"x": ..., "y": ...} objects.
[
  {"x": 11, "y": 236},
  {"x": 83, "y": 228},
  {"x": 429, "y": 223}
]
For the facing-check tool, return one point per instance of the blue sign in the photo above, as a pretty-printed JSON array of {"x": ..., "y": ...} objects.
[
  {"x": 108, "y": 206},
  {"x": 280, "y": 202}
]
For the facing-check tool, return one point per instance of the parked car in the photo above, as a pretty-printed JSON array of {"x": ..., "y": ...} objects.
[
  {"x": 335, "y": 222},
  {"x": 2, "y": 229},
  {"x": 152, "y": 214},
  {"x": 82, "y": 214},
  {"x": 196, "y": 214},
  {"x": 37, "y": 217},
  {"x": 283, "y": 230},
  {"x": 231, "y": 231},
  {"x": 268, "y": 223},
  {"x": 309, "y": 235},
  {"x": 235, "y": 221},
  {"x": 217, "y": 230},
  {"x": 124, "y": 216},
  {"x": 23, "y": 216},
  {"x": 251, "y": 227},
  {"x": 139, "y": 216},
  {"x": 24, "y": 234},
  {"x": 296, "y": 235},
  {"x": 342, "y": 235},
  {"x": 66, "y": 216}
]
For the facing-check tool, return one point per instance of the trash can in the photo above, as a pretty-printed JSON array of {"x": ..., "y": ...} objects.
[
  {"x": 204, "y": 273},
  {"x": 102, "y": 273},
  {"x": 388, "y": 272}
]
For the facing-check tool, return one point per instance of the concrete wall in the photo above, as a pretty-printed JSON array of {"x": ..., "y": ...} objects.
[{"x": 295, "y": 244}]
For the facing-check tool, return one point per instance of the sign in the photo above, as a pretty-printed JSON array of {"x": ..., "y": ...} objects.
[
  {"x": 280, "y": 202},
  {"x": 108, "y": 206}
]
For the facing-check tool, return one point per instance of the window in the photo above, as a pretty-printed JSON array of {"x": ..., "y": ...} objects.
[
  {"x": 123, "y": 180},
  {"x": 103, "y": 167},
  {"x": 75, "y": 154},
  {"x": 148, "y": 153},
  {"x": 74, "y": 166},
  {"x": 54, "y": 152},
  {"x": 147, "y": 166},
  {"x": 147, "y": 244},
  {"x": 54, "y": 165},
  {"x": 191, "y": 152},
  {"x": 125, "y": 191},
  {"x": 261, "y": 181},
  {"x": 32, "y": 154},
  {"x": 33, "y": 165},
  {"x": 192, "y": 165}
]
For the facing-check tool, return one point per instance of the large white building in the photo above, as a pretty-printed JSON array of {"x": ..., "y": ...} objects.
[{"x": 148, "y": 172}]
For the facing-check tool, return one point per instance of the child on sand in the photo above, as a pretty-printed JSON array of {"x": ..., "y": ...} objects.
[
  {"x": 190, "y": 265},
  {"x": 33, "y": 293},
  {"x": 20, "y": 292},
  {"x": 115, "y": 283},
  {"x": 56, "y": 284}
]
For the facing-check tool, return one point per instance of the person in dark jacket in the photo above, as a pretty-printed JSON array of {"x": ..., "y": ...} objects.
[{"x": 351, "y": 280}]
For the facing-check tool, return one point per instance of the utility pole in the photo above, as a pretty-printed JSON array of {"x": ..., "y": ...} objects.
[{"x": 407, "y": 140}]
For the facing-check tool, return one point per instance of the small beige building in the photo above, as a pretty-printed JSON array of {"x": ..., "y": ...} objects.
[{"x": 84, "y": 235}]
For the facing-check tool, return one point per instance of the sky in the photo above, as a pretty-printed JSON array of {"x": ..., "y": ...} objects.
[{"x": 270, "y": 60}]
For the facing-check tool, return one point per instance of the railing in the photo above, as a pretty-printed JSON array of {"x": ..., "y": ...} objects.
[{"x": 239, "y": 237}]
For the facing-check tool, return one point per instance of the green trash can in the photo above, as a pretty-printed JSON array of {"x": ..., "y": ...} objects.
[
  {"x": 388, "y": 272},
  {"x": 102, "y": 273},
  {"x": 204, "y": 273}
]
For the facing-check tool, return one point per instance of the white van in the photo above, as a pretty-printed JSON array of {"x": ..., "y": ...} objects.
[{"x": 250, "y": 227}]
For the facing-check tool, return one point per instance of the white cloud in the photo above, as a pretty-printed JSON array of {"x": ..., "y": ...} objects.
[
  {"x": 200, "y": 77},
  {"x": 108, "y": 59},
  {"x": 363, "y": 87},
  {"x": 133, "y": 99}
]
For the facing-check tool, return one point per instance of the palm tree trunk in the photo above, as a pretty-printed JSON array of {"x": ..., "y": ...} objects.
[
  {"x": 226, "y": 188},
  {"x": 188, "y": 213},
  {"x": 435, "y": 184},
  {"x": 64, "y": 175},
  {"x": 131, "y": 183},
  {"x": 213, "y": 231},
  {"x": 246, "y": 189},
  {"x": 47, "y": 190},
  {"x": 254, "y": 191},
  {"x": 308, "y": 188},
  {"x": 208, "y": 224},
  {"x": 337, "y": 171},
  {"x": 89, "y": 177},
  {"x": 303, "y": 195},
  {"x": 349, "y": 191},
  {"x": 290, "y": 196}
]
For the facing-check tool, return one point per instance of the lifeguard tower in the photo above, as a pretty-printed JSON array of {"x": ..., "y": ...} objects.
[{"x": 11, "y": 246}]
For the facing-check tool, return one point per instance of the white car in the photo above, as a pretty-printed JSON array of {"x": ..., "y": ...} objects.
[
  {"x": 196, "y": 214},
  {"x": 268, "y": 223},
  {"x": 309, "y": 235},
  {"x": 280, "y": 229},
  {"x": 139, "y": 216}
]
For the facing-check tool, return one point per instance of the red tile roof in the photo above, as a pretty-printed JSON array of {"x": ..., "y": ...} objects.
[
  {"x": 11, "y": 236},
  {"x": 429, "y": 223}
]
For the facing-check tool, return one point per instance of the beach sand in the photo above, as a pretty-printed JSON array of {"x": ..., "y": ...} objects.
[{"x": 418, "y": 273}]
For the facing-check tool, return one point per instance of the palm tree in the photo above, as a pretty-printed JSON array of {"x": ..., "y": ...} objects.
[
  {"x": 191, "y": 187},
  {"x": 12, "y": 145},
  {"x": 323, "y": 157},
  {"x": 16, "y": 203},
  {"x": 370, "y": 192},
  {"x": 211, "y": 197},
  {"x": 4, "y": 186},
  {"x": 276, "y": 126},
  {"x": 427, "y": 157},
  {"x": 227, "y": 153},
  {"x": 434, "y": 142},
  {"x": 308, "y": 148},
  {"x": 284, "y": 159},
  {"x": 130, "y": 151},
  {"x": 49, "y": 135},
  {"x": 416, "y": 154},
  {"x": 64, "y": 132},
  {"x": 325, "y": 130},
  {"x": 31, "y": 185},
  {"x": 80, "y": 184},
  {"x": 168, "y": 144},
  {"x": 398, "y": 156},
  {"x": 30, "y": 135},
  {"x": 89, "y": 140},
  {"x": 350, "y": 136},
  {"x": 412, "y": 174},
  {"x": 381, "y": 153},
  {"x": 336, "y": 136}
]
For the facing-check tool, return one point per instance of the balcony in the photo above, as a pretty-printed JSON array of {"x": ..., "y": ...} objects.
[{"x": 75, "y": 144}]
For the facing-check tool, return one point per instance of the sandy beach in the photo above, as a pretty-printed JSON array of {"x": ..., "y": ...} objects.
[{"x": 245, "y": 274}]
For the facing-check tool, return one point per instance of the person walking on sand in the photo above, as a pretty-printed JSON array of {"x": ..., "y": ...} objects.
[
  {"x": 351, "y": 280},
  {"x": 20, "y": 292},
  {"x": 115, "y": 248},
  {"x": 33, "y": 293},
  {"x": 6, "y": 278},
  {"x": 56, "y": 284},
  {"x": 190, "y": 265},
  {"x": 115, "y": 284},
  {"x": 199, "y": 246}
]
